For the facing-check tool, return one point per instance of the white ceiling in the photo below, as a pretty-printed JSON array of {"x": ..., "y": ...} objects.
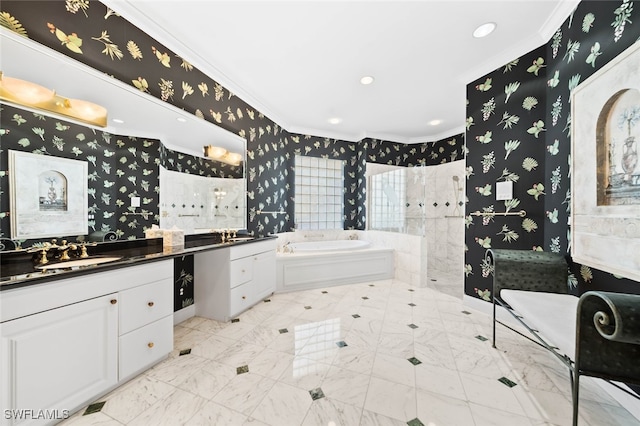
[{"x": 300, "y": 62}]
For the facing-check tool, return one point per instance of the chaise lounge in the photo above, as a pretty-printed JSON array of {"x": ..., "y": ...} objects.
[{"x": 596, "y": 334}]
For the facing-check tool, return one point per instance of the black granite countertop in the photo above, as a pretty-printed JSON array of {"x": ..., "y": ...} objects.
[{"x": 17, "y": 269}]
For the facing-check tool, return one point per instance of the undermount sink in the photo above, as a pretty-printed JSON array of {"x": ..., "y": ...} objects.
[{"x": 78, "y": 263}]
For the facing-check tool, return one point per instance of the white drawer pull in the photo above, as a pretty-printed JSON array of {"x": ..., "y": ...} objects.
[
  {"x": 150, "y": 304},
  {"x": 150, "y": 344}
]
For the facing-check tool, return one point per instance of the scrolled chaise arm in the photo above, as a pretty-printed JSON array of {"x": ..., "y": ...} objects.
[
  {"x": 527, "y": 270},
  {"x": 616, "y": 317},
  {"x": 608, "y": 336}
]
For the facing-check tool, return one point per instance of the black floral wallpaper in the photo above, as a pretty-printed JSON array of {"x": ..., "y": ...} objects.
[
  {"x": 518, "y": 129},
  {"x": 97, "y": 36},
  {"x": 412, "y": 155},
  {"x": 119, "y": 167}
]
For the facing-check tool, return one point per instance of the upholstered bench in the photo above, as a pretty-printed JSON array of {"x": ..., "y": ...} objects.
[
  {"x": 553, "y": 315},
  {"x": 597, "y": 334}
]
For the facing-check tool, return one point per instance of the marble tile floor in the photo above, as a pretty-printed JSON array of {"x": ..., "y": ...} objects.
[{"x": 379, "y": 353}]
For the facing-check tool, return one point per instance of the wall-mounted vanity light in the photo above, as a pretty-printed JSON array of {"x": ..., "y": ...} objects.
[
  {"x": 32, "y": 95},
  {"x": 220, "y": 154}
]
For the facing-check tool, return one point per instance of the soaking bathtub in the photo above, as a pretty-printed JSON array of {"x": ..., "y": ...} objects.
[{"x": 316, "y": 264}]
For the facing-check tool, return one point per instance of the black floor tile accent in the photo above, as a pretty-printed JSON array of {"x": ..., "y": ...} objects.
[
  {"x": 316, "y": 393},
  {"x": 307, "y": 307},
  {"x": 372, "y": 285},
  {"x": 507, "y": 382},
  {"x": 412, "y": 326},
  {"x": 324, "y": 292},
  {"x": 412, "y": 304},
  {"x": 355, "y": 316},
  {"x": 411, "y": 289},
  {"x": 365, "y": 297},
  {"x": 413, "y": 360},
  {"x": 267, "y": 300},
  {"x": 235, "y": 320},
  {"x": 242, "y": 369},
  {"x": 283, "y": 330},
  {"x": 96, "y": 407},
  {"x": 341, "y": 344},
  {"x": 466, "y": 312},
  {"x": 185, "y": 352},
  {"x": 481, "y": 338},
  {"x": 415, "y": 422}
]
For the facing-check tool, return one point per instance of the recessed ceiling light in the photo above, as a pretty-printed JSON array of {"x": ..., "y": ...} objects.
[
  {"x": 335, "y": 120},
  {"x": 181, "y": 119},
  {"x": 367, "y": 79},
  {"x": 484, "y": 30},
  {"x": 117, "y": 120},
  {"x": 435, "y": 122}
]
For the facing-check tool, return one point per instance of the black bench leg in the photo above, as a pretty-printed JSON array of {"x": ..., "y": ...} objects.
[
  {"x": 575, "y": 382},
  {"x": 494, "y": 322}
]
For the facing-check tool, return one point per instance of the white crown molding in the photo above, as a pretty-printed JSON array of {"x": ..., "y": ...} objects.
[
  {"x": 350, "y": 137},
  {"x": 138, "y": 18},
  {"x": 561, "y": 12},
  {"x": 323, "y": 133}
]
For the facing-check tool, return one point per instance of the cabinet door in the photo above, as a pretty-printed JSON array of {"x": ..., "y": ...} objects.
[
  {"x": 59, "y": 359},
  {"x": 264, "y": 273}
]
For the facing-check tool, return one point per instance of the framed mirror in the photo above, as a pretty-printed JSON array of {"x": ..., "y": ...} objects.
[{"x": 133, "y": 116}]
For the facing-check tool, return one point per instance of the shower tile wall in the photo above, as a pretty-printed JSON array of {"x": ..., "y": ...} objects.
[
  {"x": 444, "y": 222},
  {"x": 410, "y": 254}
]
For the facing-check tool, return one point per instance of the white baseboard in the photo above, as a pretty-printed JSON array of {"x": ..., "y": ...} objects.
[
  {"x": 184, "y": 314},
  {"x": 631, "y": 404}
]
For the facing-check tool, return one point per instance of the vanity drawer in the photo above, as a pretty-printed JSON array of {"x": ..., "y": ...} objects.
[
  {"x": 241, "y": 271},
  {"x": 145, "y": 304},
  {"x": 241, "y": 298},
  {"x": 145, "y": 346}
]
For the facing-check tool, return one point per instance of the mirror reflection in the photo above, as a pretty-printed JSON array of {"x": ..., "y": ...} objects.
[
  {"x": 124, "y": 159},
  {"x": 197, "y": 204}
]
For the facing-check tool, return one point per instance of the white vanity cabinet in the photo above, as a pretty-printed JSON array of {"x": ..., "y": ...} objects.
[
  {"x": 57, "y": 359},
  {"x": 230, "y": 280},
  {"x": 64, "y": 343}
]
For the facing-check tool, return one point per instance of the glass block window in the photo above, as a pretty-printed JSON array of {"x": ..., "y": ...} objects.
[
  {"x": 386, "y": 194},
  {"x": 319, "y": 189}
]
